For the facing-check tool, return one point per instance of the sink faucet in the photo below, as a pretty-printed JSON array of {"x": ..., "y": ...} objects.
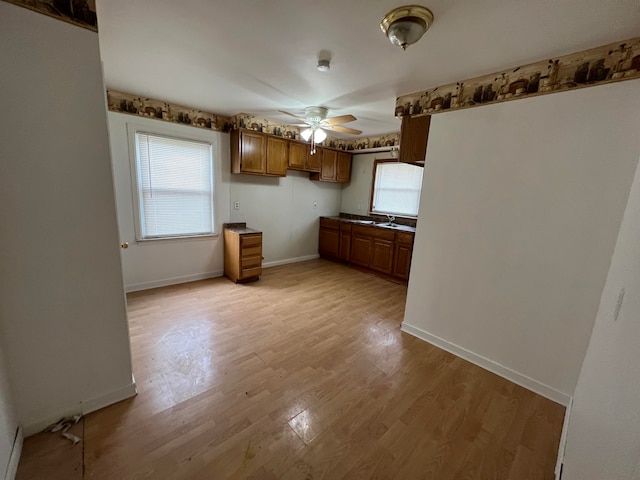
[{"x": 391, "y": 218}]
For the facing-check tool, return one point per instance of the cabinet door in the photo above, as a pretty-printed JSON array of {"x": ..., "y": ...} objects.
[
  {"x": 382, "y": 255},
  {"x": 345, "y": 245},
  {"x": 402, "y": 261},
  {"x": 414, "y": 134},
  {"x": 277, "y": 156},
  {"x": 361, "y": 250},
  {"x": 343, "y": 167},
  {"x": 328, "y": 167},
  {"x": 329, "y": 242},
  {"x": 298, "y": 155},
  {"x": 314, "y": 161},
  {"x": 253, "y": 153}
]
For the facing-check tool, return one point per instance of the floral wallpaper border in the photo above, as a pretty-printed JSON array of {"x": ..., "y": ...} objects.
[
  {"x": 81, "y": 13},
  {"x": 610, "y": 63},
  {"x": 138, "y": 105}
]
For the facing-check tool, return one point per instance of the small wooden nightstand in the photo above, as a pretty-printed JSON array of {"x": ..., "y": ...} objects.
[{"x": 242, "y": 252}]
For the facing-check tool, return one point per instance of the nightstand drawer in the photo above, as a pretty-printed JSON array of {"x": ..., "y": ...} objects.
[
  {"x": 249, "y": 262},
  {"x": 252, "y": 251},
  {"x": 250, "y": 240},
  {"x": 251, "y": 272}
]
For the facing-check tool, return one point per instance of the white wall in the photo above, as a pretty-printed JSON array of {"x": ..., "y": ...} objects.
[
  {"x": 603, "y": 438},
  {"x": 356, "y": 196},
  {"x": 8, "y": 423},
  {"x": 520, "y": 209},
  {"x": 282, "y": 208},
  {"x": 153, "y": 263},
  {"x": 63, "y": 318}
]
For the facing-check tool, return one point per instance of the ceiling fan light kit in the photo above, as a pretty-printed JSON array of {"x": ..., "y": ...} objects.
[
  {"x": 316, "y": 121},
  {"x": 404, "y": 26}
]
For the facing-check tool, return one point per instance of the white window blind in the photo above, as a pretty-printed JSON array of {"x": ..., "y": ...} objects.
[
  {"x": 175, "y": 186},
  {"x": 397, "y": 188}
]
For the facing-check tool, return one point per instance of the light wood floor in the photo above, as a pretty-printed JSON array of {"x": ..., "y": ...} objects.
[{"x": 306, "y": 375}]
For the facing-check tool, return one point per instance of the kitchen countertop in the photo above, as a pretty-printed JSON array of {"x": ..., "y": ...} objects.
[
  {"x": 400, "y": 228},
  {"x": 239, "y": 228}
]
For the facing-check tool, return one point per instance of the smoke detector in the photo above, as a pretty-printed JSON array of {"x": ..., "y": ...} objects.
[{"x": 323, "y": 66}]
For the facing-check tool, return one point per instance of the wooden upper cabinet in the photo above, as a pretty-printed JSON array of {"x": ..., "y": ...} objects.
[
  {"x": 413, "y": 138},
  {"x": 277, "y": 156},
  {"x": 328, "y": 167},
  {"x": 298, "y": 155},
  {"x": 314, "y": 161},
  {"x": 258, "y": 154},
  {"x": 248, "y": 152},
  {"x": 343, "y": 168}
]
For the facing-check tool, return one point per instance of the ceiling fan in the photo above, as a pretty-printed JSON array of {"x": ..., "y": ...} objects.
[{"x": 316, "y": 122}]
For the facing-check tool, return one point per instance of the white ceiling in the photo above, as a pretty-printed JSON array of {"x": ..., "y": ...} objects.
[{"x": 259, "y": 56}]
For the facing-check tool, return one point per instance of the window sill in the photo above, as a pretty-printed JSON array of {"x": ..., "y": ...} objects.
[{"x": 189, "y": 238}]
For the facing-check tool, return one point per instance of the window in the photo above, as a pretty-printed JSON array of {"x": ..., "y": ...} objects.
[
  {"x": 174, "y": 187},
  {"x": 396, "y": 188}
]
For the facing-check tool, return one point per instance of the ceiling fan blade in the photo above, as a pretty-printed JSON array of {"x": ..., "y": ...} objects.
[
  {"x": 340, "y": 119},
  {"x": 292, "y": 115},
  {"x": 338, "y": 128}
]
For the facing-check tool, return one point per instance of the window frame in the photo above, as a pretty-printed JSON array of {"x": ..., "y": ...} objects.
[
  {"x": 373, "y": 186},
  {"x": 134, "y": 129}
]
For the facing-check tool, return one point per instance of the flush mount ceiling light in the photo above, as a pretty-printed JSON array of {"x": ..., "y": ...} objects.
[{"x": 404, "y": 26}]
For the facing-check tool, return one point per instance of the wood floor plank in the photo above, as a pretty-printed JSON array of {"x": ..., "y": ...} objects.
[{"x": 305, "y": 374}]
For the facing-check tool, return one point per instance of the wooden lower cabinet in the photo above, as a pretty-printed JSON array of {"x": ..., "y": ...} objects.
[
  {"x": 345, "y": 242},
  {"x": 382, "y": 255},
  {"x": 361, "y": 247},
  {"x": 402, "y": 255},
  {"x": 329, "y": 240},
  {"x": 242, "y": 253},
  {"x": 382, "y": 250}
]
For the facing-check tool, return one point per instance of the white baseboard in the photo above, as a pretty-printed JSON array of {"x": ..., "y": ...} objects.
[
  {"x": 505, "y": 372},
  {"x": 563, "y": 439},
  {"x": 81, "y": 408},
  {"x": 102, "y": 401},
  {"x": 14, "y": 458},
  {"x": 172, "y": 281},
  {"x": 290, "y": 260}
]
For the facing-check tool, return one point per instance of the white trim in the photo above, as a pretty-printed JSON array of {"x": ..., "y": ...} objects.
[
  {"x": 110, "y": 398},
  {"x": 286, "y": 261},
  {"x": 82, "y": 408},
  {"x": 42, "y": 423},
  {"x": 505, "y": 372},
  {"x": 172, "y": 281},
  {"x": 14, "y": 458},
  {"x": 563, "y": 439}
]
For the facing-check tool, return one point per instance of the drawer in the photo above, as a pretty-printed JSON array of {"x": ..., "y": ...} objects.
[
  {"x": 252, "y": 251},
  {"x": 384, "y": 234},
  {"x": 248, "y": 262},
  {"x": 251, "y": 272},
  {"x": 404, "y": 237},
  {"x": 363, "y": 230},
  {"x": 249, "y": 240},
  {"x": 331, "y": 223},
  {"x": 345, "y": 227}
]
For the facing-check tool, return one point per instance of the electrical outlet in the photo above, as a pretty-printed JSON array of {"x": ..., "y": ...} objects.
[
  {"x": 236, "y": 205},
  {"x": 315, "y": 205},
  {"x": 359, "y": 207}
]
